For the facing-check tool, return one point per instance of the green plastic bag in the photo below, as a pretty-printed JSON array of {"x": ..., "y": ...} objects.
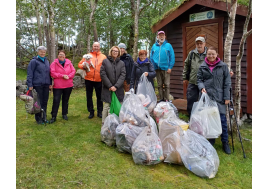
[{"x": 115, "y": 105}]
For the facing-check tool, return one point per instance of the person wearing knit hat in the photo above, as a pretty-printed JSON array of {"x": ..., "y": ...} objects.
[{"x": 127, "y": 59}]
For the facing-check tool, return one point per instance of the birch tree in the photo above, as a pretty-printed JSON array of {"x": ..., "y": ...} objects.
[{"x": 237, "y": 95}]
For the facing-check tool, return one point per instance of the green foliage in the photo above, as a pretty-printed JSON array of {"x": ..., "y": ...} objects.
[
  {"x": 70, "y": 154},
  {"x": 21, "y": 74}
]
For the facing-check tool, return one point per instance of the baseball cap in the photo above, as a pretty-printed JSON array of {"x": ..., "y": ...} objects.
[
  {"x": 160, "y": 32},
  {"x": 200, "y": 39}
]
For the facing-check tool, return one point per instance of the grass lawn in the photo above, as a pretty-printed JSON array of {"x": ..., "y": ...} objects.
[
  {"x": 70, "y": 154},
  {"x": 21, "y": 74}
]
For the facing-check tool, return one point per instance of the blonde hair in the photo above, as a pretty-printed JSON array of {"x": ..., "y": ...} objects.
[{"x": 110, "y": 51}]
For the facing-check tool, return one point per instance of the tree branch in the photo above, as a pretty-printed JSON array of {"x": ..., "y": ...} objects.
[
  {"x": 248, "y": 16},
  {"x": 150, "y": 2},
  {"x": 227, "y": 8}
]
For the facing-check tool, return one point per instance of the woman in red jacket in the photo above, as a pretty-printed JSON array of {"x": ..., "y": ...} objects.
[{"x": 63, "y": 73}]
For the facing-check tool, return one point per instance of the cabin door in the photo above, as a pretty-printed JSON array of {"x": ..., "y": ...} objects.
[{"x": 210, "y": 31}]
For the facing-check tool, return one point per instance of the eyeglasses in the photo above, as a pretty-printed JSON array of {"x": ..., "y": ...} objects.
[
  {"x": 115, "y": 51},
  {"x": 61, "y": 55}
]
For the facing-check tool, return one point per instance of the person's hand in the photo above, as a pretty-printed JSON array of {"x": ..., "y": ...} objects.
[
  {"x": 227, "y": 101},
  {"x": 65, "y": 77},
  {"x": 30, "y": 88},
  {"x": 185, "y": 81},
  {"x": 113, "y": 89},
  {"x": 169, "y": 71},
  {"x": 231, "y": 73},
  {"x": 50, "y": 87},
  {"x": 146, "y": 74},
  {"x": 203, "y": 90}
]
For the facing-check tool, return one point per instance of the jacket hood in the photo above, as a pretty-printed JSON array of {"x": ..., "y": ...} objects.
[
  {"x": 112, "y": 60},
  {"x": 143, "y": 62},
  {"x": 162, "y": 43},
  {"x": 125, "y": 55}
]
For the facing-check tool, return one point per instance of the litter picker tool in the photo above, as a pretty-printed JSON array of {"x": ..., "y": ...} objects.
[{"x": 231, "y": 107}]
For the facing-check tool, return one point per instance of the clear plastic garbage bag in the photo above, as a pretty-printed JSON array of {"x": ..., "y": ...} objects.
[
  {"x": 108, "y": 130},
  {"x": 133, "y": 112},
  {"x": 153, "y": 125},
  {"x": 147, "y": 148},
  {"x": 169, "y": 134},
  {"x": 165, "y": 110},
  {"x": 126, "y": 134},
  {"x": 198, "y": 155},
  {"x": 205, "y": 118},
  {"x": 32, "y": 104},
  {"x": 146, "y": 93}
]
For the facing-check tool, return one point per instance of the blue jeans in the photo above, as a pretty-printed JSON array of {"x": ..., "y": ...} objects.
[{"x": 224, "y": 134}]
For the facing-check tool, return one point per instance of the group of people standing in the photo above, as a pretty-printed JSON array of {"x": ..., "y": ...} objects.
[{"x": 118, "y": 72}]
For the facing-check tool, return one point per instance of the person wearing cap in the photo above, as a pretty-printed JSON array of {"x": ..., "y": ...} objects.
[
  {"x": 127, "y": 59},
  {"x": 93, "y": 80},
  {"x": 163, "y": 59},
  {"x": 38, "y": 78},
  {"x": 192, "y": 63}
]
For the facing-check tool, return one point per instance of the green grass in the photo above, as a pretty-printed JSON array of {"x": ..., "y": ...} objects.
[
  {"x": 21, "y": 74},
  {"x": 69, "y": 154}
]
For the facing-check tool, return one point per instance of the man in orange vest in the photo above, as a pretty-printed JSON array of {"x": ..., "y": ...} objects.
[{"x": 93, "y": 80}]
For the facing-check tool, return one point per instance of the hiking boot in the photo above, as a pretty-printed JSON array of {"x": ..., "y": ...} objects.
[
  {"x": 226, "y": 147},
  {"x": 212, "y": 141},
  {"x": 99, "y": 114},
  {"x": 52, "y": 120},
  {"x": 91, "y": 115},
  {"x": 162, "y": 100},
  {"x": 65, "y": 117},
  {"x": 39, "y": 122}
]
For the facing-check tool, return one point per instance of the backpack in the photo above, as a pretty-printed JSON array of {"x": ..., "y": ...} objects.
[{"x": 189, "y": 61}]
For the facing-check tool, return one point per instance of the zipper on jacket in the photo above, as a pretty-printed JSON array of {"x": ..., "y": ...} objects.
[
  {"x": 167, "y": 58},
  {"x": 95, "y": 68},
  {"x": 159, "y": 54}
]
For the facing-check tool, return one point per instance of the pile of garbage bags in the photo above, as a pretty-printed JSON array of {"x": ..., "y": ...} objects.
[
  {"x": 108, "y": 130},
  {"x": 146, "y": 93},
  {"x": 165, "y": 137},
  {"x": 205, "y": 118}
]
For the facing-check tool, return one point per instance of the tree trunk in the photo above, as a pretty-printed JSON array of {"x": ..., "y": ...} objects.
[
  {"x": 56, "y": 48},
  {"x": 45, "y": 26},
  {"x": 95, "y": 31},
  {"x": 110, "y": 25},
  {"x": 230, "y": 33},
  {"x": 93, "y": 5},
  {"x": 38, "y": 23},
  {"x": 130, "y": 44},
  {"x": 52, "y": 30},
  {"x": 239, "y": 56},
  {"x": 88, "y": 43},
  {"x": 136, "y": 30}
]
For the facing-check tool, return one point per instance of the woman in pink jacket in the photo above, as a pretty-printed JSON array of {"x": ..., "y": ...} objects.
[{"x": 63, "y": 73}]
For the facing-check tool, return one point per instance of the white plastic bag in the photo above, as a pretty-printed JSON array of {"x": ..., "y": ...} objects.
[
  {"x": 133, "y": 112},
  {"x": 153, "y": 125},
  {"x": 169, "y": 134},
  {"x": 147, "y": 148},
  {"x": 108, "y": 130},
  {"x": 205, "y": 118},
  {"x": 126, "y": 134},
  {"x": 198, "y": 155},
  {"x": 164, "y": 110},
  {"x": 146, "y": 93}
]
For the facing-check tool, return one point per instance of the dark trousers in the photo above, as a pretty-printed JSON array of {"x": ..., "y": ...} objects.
[
  {"x": 224, "y": 134},
  {"x": 90, "y": 85},
  {"x": 192, "y": 96},
  {"x": 43, "y": 96},
  {"x": 57, "y": 93}
]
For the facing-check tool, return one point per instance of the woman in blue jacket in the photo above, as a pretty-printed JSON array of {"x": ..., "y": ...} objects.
[
  {"x": 143, "y": 65},
  {"x": 38, "y": 78}
]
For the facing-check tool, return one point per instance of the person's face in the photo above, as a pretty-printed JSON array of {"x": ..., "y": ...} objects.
[
  {"x": 122, "y": 51},
  {"x": 161, "y": 37},
  {"x": 115, "y": 52},
  {"x": 41, "y": 53},
  {"x": 200, "y": 46},
  {"x": 96, "y": 47},
  {"x": 142, "y": 57},
  {"x": 211, "y": 55},
  {"x": 61, "y": 56}
]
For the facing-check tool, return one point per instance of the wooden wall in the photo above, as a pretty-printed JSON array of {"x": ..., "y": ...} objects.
[{"x": 173, "y": 32}]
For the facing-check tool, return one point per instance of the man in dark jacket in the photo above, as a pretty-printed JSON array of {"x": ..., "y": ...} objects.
[{"x": 127, "y": 59}]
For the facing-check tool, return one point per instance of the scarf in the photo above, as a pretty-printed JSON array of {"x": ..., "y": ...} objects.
[
  {"x": 141, "y": 62},
  {"x": 41, "y": 58},
  {"x": 212, "y": 65}
]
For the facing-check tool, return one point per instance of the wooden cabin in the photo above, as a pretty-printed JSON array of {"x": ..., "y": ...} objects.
[{"x": 207, "y": 18}]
